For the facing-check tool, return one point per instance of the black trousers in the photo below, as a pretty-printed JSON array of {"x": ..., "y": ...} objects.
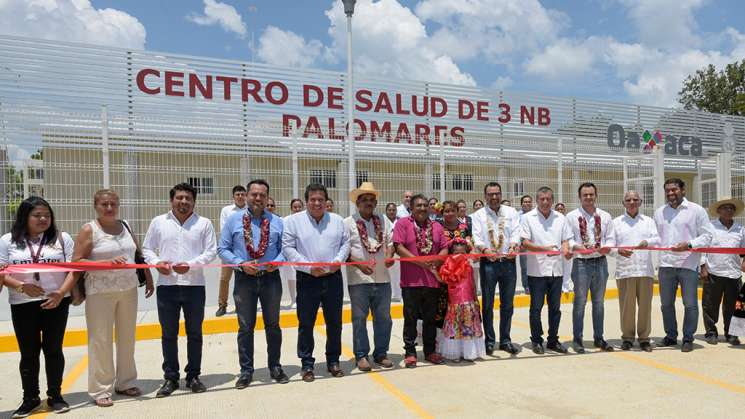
[
  {"x": 39, "y": 330},
  {"x": 420, "y": 303},
  {"x": 719, "y": 290},
  {"x": 326, "y": 292}
]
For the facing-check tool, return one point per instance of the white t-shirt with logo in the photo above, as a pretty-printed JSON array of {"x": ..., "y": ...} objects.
[{"x": 12, "y": 254}]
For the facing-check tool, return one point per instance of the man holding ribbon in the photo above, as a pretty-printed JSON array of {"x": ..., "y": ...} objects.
[
  {"x": 315, "y": 235},
  {"x": 370, "y": 237},
  {"x": 635, "y": 272},
  {"x": 249, "y": 238},
  {"x": 592, "y": 230},
  {"x": 683, "y": 225},
  {"x": 496, "y": 231},
  {"x": 722, "y": 273}
]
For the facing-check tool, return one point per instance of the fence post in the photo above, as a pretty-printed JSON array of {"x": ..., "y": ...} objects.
[
  {"x": 105, "y": 146},
  {"x": 295, "y": 174},
  {"x": 442, "y": 172},
  {"x": 560, "y": 172}
]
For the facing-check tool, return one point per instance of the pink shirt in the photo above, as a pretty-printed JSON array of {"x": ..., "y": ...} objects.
[{"x": 404, "y": 234}]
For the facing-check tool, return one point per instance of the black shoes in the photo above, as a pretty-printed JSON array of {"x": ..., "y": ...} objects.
[
  {"x": 666, "y": 341},
  {"x": 687, "y": 347},
  {"x": 508, "y": 347},
  {"x": 26, "y": 408},
  {"x": 578, "y": 346},
  {"x": 58, "y": 404},
  {"x": 243, "y": 381},
  {"x": 221, "y": 310},
  {"x": 557, "y": 347},
  {"x": 712, "y": 339},
  {"x": 490, "y": 350},
  {"x": 603, "y": 345},
  {"x": 196, "y": 386},
  {"x": 278, "y": 375},
  {"x": 538, "y": 349},
  {"x": 733, "y": 340},
  {"x": 167, "y": 388},
  {"x": 626, "y": 345},
  {"x": 646, "y": 346}
]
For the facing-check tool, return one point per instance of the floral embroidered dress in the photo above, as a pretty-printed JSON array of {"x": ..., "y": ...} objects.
[
  {"x": 462, "y": 232},
  {"x": 462, "y": 333}
]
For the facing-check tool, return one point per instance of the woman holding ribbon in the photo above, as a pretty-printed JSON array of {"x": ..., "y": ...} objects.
[{"x": 39, "y": 301}]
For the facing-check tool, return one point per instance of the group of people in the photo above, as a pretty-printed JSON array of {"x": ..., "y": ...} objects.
[{"x": 440, "y": 291}]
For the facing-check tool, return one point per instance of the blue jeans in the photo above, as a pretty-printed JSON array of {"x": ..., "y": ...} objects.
[
  {"x": 491, "y": 274},
  {"x": 549, "y": 288},
  {"x": 247, "y": 291},
  {"x": 312, "y": 293},
  {"x": 592, "y": 275},
  {"x": 688, "y": 280},
  {"x": 375, "y": 298},
  {"x": 171, "y": 300},
  {"x": 524, "y": 273}
]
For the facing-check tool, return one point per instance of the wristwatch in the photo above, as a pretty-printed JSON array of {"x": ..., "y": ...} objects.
[
  {"x": 20, "y": 288},
  {"x": 690, "y": 246}
]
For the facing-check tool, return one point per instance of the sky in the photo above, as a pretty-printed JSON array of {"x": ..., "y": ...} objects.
[{"x": 634, "y": 51}]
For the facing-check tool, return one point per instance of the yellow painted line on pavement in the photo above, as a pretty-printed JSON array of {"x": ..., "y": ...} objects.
[
  {"x": 736, "y": 388},
  {"x": 378, "y": 378},
  {"x": 67, "y": 383},
  {"x": 287, "y": 319}
]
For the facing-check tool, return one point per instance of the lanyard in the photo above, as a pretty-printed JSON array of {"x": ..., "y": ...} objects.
[{"x": 35, "y": 257}]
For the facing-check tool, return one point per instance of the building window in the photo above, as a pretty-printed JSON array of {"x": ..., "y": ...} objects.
[
  {"x": 36, "y": 174},
  {"x": 436, "y": 181},
  {"x": 708, "y": 193},
  {"x": 203, "y": 185},
  {"x": 326, "y": 177},
  {"x": 362, "y": 176},
  {"x": 462, "y": 182},
  {"x": 518, "y": 189}
]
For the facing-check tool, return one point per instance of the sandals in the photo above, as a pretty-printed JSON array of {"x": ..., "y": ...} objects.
[
  {"x": 130, "y": 392},
  {"x": 104, "y": 402}
]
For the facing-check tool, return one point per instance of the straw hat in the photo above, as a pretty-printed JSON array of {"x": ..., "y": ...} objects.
[
  {"x": 739, "y": 206},
  {"x": 365, "y": 188}
]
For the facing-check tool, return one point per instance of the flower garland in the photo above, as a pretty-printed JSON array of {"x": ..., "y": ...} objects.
[
  {"x": 248, "y": 237},
  {"x": 362, "y": 229},
  {"x": 423, "y": 237},
  {"x": 497, "y": 246},
  {"x": 583, "y": 230}
]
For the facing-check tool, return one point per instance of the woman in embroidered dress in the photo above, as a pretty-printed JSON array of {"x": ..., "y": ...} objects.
[{"x": 462, "y": 333}]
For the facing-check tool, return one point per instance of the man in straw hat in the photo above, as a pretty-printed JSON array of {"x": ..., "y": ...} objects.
[
  {"x": 370, "y": 285},
  {"x": 721, "y": 273}
]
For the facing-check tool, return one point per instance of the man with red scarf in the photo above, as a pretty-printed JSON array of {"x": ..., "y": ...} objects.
[
  {"x": 250, "y": 237},
  {"x": 417, "y": 235},
  {"x": 370, "y": 285},
  {"x": 592, "y": 230}
]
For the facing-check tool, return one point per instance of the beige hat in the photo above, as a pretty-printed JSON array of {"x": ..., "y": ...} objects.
[
  {"x": 365, "y": 188},
  {"x": 739, "y": 206}
]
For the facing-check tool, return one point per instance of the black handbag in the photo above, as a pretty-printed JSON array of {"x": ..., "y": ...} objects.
[{"x": 139, "y": 259}]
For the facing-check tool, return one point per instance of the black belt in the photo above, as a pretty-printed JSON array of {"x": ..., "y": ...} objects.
[
  {"x": 260, "y": 274},
  {"x": 499, "y": 260},
  {"x": 592, "y": 259},
  {"x": 329, "y": 275}
]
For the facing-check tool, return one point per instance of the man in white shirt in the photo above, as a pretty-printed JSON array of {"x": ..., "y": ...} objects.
[
  {"x": 722, "y": 273},
  {"x": 404, "y": 210},
  {"x": 592, "y": 230},
  {"x": 315, "y": 235},
  {"x": 635, "y": 272},
  {"x": 682, "y": 225},
  {"x": 496, "y": 230},
  {"x": 370, "y": 240},
  {"x": 179, "y": 242},
  {"x": 239, "y": 204},
  {"x": 544, "y": 229}
]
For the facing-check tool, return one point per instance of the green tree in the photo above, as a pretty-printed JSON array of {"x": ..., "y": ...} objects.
[{"x": 715, "y": 91}]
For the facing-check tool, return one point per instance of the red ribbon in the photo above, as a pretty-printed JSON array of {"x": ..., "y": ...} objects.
[{"x": 27, "y": 268}]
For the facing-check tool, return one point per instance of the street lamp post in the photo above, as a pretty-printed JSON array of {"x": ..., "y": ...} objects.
[{"x": 349, "y": 11}]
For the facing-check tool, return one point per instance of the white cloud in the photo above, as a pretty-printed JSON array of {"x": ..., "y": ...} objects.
[
  {"x": 668, "y": 24},
  {"x": 71, "y": 20},
  {"x": 286, "y": 48},
  {"x": 391, "y": 41},
  {"x": 501, "y": 83},
  {"x": 564, "y": 60},
  {"x": 222, "y": 14}
]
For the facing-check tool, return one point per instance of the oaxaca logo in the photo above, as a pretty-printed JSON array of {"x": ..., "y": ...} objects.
[{"x": 619, "y": 138}]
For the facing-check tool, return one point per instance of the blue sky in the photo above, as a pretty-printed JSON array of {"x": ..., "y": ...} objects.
[{"x": 635, "y": 51}]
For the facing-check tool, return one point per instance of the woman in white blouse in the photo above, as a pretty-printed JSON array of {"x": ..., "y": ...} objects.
[
  {"x": 39, "y": 302},
  {"x": 111, "y": 300}
]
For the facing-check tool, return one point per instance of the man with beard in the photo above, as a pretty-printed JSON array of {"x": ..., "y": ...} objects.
[
  {"x": 496, "y": 230},
  {"x": 248, "y": 238},
  {"x": 176, "y": 241},
  {"x": 370, "y": 285},
  {"x": 682, "y": 225}
]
